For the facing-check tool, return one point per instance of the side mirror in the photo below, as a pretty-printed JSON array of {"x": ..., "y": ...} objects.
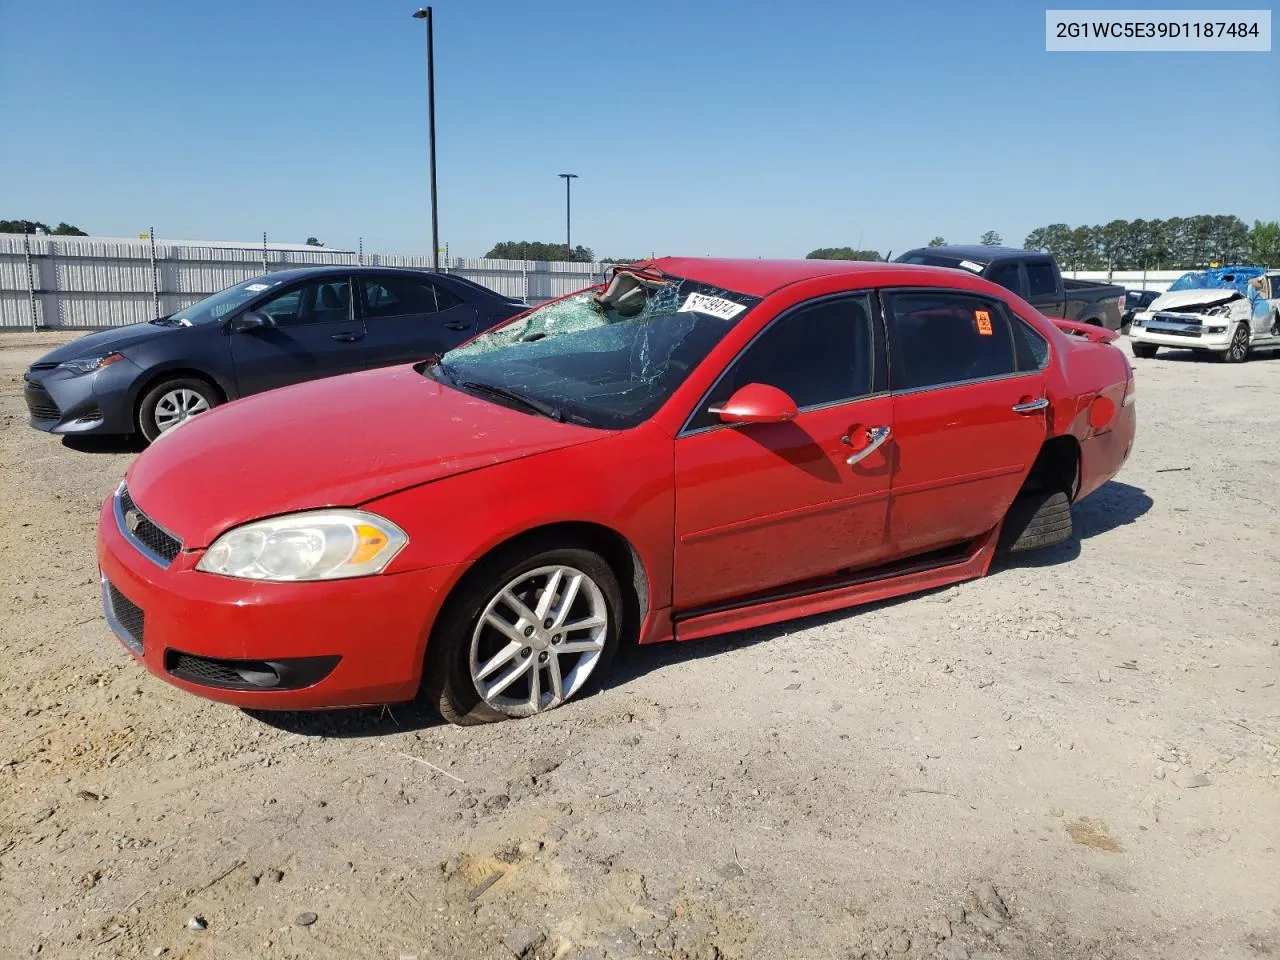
[
  {"x": 757, "y": 403},
  {"x": 251, "y": 320}
]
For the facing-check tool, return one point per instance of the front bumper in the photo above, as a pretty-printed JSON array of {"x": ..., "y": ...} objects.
[
  {"x": 1192, "y": 335},
  {"x": 336, "y": 643},
  {"x": 93, "y": 403}
]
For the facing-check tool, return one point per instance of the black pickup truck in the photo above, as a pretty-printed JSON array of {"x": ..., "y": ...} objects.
[{"x": 1035, "y": 277}]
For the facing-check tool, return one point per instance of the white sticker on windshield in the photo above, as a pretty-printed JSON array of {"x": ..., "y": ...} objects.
[
  {"x": 970, "y": 265},
  {"x": 258, "y": 287},
  {"x": 716, "y": 306}
]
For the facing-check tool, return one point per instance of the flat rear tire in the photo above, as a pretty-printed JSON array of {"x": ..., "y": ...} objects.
[{"x": 1036, "y": 520}]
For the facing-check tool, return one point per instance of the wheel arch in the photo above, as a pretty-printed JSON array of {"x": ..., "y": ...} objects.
[
  {"x": 1056, "y": 467},
  {"x": 156, "y": 377},
  {"x": 616, "y": 550}
]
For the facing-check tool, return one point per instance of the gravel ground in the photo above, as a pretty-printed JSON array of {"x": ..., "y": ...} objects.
[{"x": 1075, "y": 757}]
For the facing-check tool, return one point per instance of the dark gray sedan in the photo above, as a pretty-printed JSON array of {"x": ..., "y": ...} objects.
[{"x": 271, "y": 331}]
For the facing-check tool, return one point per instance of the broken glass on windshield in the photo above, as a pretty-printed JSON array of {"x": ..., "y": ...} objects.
[{"x": 609, "y": 356}]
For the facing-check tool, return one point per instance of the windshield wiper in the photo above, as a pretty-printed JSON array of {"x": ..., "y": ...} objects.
[{"x": 502, "y": 393}]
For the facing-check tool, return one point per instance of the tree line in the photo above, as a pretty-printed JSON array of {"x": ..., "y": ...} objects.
[
  {"x": 989, "y": 239},
  {"x": 1179, "y": 243},
  {"x": 536, "y": 250},
  {"x": 63, "y": 229}
]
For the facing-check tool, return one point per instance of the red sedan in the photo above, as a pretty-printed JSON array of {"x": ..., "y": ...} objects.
[{"x": 699, "y": 446}]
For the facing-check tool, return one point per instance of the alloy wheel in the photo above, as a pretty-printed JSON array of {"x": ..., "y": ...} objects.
[
  {"x": 538, "y": 640},
  {"x": 176, "y": 406},
  {"x": 1239, "y": 348}
]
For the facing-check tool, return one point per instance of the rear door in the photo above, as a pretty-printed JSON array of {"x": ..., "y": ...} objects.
[
  {"x": 408, "y": 318},
  {"x": 969, "y": 412},
  {"x": 316, "y": 334},
  {"x": 761, "y": 506},
  {"x": 1044, "y": 287}
]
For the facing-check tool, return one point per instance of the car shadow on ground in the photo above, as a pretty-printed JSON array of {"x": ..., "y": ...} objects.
[
  {"x": 1112, "y": 505},
  {"x": 110, "y": 444},
  {"x": 352, "y": 723},
  {"x": 1203, "y": 356}
]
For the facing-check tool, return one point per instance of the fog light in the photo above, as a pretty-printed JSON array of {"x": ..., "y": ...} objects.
[{"x": 1215, "y": 329}]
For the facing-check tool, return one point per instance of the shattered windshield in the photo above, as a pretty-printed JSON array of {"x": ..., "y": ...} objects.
[{"x": 607, "y": 357}]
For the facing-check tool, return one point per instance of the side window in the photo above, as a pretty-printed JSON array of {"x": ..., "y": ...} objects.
[
  {"x": 1041, "y": 281},
  {"x": 1007, "y": 275},
  {"x": 402, "y": 296},
  {"x": 320, "y": 301},
  {"x": 941, "y": 338},
  {"x": 1031, "y": 348},
  {"x": 818, "y": 354},
  {"x": 446, "y": 299}
]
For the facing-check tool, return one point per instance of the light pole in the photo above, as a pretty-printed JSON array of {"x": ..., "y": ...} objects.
[
  {"x": 568, "y": 224},
  {"x": 425, "y": 14}
]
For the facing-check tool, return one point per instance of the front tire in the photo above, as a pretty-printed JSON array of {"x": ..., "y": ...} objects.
[
  {"x": 524, "y": 633},
  {"x": 1238, "y": 351},
  {"x": 171, "y": 403},
  {"x": 1144, "y": 351}
]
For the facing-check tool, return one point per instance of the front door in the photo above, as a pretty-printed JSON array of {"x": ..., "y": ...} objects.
[
  {"x": 762, "y": 506},
  {"x": 315, "y": 334},
  {"x": 408, "y": 318},
  {"x": 969, "y": 414}
]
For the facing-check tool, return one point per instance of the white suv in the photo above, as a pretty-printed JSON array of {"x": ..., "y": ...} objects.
[{"x": 1224, "y": 311}]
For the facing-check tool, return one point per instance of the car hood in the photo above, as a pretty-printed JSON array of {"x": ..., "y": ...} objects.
[
  {"x": 340, "y": 441},
  {"x": 1191, "y": 299},
  {"x": 108, "y": 341}
]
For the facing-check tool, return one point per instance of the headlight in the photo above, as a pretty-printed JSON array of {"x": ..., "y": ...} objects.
[
  {"x": 90, "y": 364},
  {"x": 318, "y": 545},
  {"x": 1139, "y": 322}
]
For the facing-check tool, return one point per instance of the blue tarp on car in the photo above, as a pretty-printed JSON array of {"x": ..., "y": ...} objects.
[{"x": 1225, "y": 278}]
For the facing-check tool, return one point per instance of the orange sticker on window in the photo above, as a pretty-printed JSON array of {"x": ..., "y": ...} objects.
[{"x": 984, "y": 322}]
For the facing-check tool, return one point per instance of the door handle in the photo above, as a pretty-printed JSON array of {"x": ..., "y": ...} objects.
[
  {"x": 347, "y": 337},
  {"x": 876, "y": 436},
  {"x": 457, "y": 325},
  {"x": 1031, "y": 406}
]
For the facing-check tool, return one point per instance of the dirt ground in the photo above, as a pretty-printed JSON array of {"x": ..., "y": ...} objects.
[{"x": 1093, "y": 732}]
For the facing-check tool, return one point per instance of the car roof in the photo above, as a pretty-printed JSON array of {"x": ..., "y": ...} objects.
[
  {"x": 977, "y": 252},
  {"x": 762, "y": 277},
  {"x": 301, "y": 273}
]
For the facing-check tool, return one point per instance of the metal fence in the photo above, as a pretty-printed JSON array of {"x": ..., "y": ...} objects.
[{"x": 55, "y": 282}]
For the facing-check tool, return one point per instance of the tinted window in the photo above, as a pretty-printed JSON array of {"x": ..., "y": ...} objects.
[
  {"x": 321, "y": 301},
  {"x": 1031, "y": 348},
  {"x": 400, "y": 296},
  {"x": 445, "y": 299},
  {"x": 817, "y": 354},
  {"x": 943, "y": 338},
  {"x": 1041, "y": 281},
  {"x": 1007, "y": 276}
]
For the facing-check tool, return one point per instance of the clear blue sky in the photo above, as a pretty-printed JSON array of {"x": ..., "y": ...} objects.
[{"x": 729, "y": 127}]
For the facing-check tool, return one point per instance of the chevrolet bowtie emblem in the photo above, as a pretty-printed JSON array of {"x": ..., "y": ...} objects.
[{"x": 132, "y": 519}]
